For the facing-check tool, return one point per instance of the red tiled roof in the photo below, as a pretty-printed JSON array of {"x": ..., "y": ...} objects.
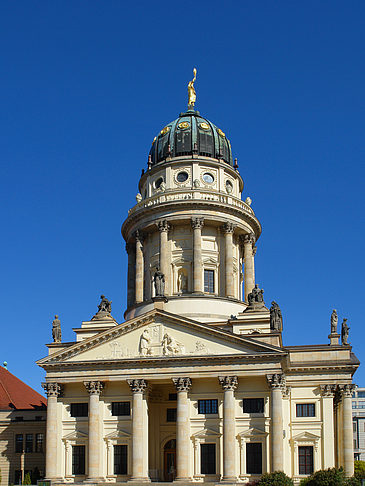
[{"x": 14, "y": 394}]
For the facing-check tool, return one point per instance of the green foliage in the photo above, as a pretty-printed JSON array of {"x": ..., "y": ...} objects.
[
  {"x": 326, "y": 477},
  {"x": 353, "y": 482},
  {"x": 277, "y": 478},
  {"x": 359, "y": 469},
  {"x": 27, "y": 479}
]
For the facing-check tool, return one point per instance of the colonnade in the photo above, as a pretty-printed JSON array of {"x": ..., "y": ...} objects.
[
  {"x": 229, "y": 384},
  {"x": 136, "y": 264}
]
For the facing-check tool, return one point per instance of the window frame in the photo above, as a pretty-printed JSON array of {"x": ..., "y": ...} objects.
[
  {"x": 17, "y": 443},
  {"x": 211, "y": 272},
  {"x": 121, "y": 404},
  {"x": 251, "y": 400},
  {"x": 248, "y": 446},
  {"x": 309, "y": 468},
  {"x": 171, "y": 415},
  {"x": 309, "y": 406},
  {"x": 213, "y": 447},
  {"x": 81, "y": 405},
  {"x": 39, "y": 444},
  {"x": 78, "y": 447},
  {"x": 29, "y": 443},
  {"x": 202, "y": 404},
  {"x": 125, "y": 456}
]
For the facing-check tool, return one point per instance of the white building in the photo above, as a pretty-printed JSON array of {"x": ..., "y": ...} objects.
[
  {"x": 358, "y": 417},
  {"x": 195, "y": 384}
]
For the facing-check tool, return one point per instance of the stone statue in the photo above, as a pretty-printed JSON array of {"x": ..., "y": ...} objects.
[
  {"x": 182, "y": 283},
  {"x": 191, "y": 91},
  {"x": 170, "y": 345},
  {"x": 144, "y": 343},
  {"x": 105, "y": 305},
  {"x": 334, "y": 321},
  {"x": 56, "y": 330},
  {"x": 159, "y": 281},
  {"x": 276, "y": 318},
  {"x": 344, "y": 332},
  {"x": 256, "y": 295}
]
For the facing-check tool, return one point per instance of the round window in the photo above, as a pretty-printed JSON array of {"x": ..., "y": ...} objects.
[
  {"x": 182, "y": 176},
  {"x": 158, "y": 182},
  {"x": 208, "y": 178},
  {"x": 229, "y": 186}
]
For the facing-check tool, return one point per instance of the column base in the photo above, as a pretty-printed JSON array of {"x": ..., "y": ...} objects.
[
  {"x": 94, "y": 480},
  {"x": 182, "y": 480},
  {"x": 229, "y": 480},
  {"x": 139, "y": 480}
]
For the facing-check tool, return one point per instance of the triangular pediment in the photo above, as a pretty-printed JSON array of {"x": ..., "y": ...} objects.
[
  {"x": 160, "y": 335},
  {"x": 117, "y": 434},
  {"x": 252, "y": 432},
  {"x": 306, "y": 436},
  {"x": 205, "y": 433},
  {"x": 75, "y": 434}
]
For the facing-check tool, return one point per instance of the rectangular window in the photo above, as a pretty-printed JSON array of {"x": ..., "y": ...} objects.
[
  {"x": 171, "y": 415},
  {"x": 78, "y": 460},
  {"x": 19, "y": 443},
  {"x": 79, "y": 409},
  {"x": 29, "y": 443},
  {"x": 208, "y": 406},
  {"x": 305, "y": 459},
  {"x": 254, "y": 458},
  {"x": 209, "y": 281},
  {"x": 253, "y": 405},
  {"x": 361, "y": 394},
  {"x": 39, "y": 441},
  {"x": 120, "y": 459},
  {"x": 121, "y": 408},
  {"x": 207, "y": 458},
  {"x": 306, "y": 410},
  {"x": 172, "y": 397}
]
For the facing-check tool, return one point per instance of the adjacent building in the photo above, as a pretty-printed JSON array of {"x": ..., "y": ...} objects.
[
  {"x": 195, "y": 384},
  {"x": 358, "y": 417},
  {"x": 22, "y": 430}
]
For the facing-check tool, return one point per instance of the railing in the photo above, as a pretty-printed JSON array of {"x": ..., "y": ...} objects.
[{"x": 195, "y": 195}]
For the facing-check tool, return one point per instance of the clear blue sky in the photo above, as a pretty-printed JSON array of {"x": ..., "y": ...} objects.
[{"x": 86, "y": 85}]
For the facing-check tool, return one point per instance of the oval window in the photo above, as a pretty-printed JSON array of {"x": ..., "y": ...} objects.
[
  {"x": 208, "y": 178},
  {"x": 229, "y": 186},
  {"x": 158, "y": 182},
  {"x": 182, "y": 176}
]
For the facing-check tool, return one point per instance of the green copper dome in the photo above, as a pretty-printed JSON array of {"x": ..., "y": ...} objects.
[{"x": 191, "y": 134}]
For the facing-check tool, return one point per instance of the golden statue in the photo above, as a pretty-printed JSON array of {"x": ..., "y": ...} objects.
[{"x": 191, "y": 90}]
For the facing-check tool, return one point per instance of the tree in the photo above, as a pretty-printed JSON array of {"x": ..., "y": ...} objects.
[
  {"x": 277, "y": 478},
  {"x": 326, "y": 477},
  {"x": 27, "y": 479},
  {"x": 359, "y": 469}
]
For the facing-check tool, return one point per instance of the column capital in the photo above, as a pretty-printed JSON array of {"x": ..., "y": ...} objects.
[
  {"x": 276, "y": 380},
  {"x": 137, "y": 386},
  {"x": 163, "y": 225},
  {"x": 139, "y": 236},
  {"x": 197, "y": 223},
  {"x": 228, "y": 228},
  {"x": 346, "y": 391},
  {"x": 249, "y": 239},
  {"x": 254, "y": 250},
  {"x": 228, "y": 382},
  {"x": 53, "y": 389},
  {"x": 328, "y": 390},
  {"x": 94, "y": 387},
  {"x": 182, "y": 384}
]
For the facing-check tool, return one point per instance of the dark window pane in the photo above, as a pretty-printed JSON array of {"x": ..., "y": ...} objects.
[
  {"x": 207, "y": 455},
  {"x": 121, "y": 408},
  {"x": 120, "y": 459},
  {"x": 39, "y": 440},
  {"x": 253, "y": 405},
  {"x": 254, "y": 458},
  {"x": 209, "y": 281},
  {"x": 173, "y": 397},
  {"x": 78, "y": 460},
  {"x": 171, "y": 415},
  {"x": 208, "y": 406},
  {"x": 29, "y": 443},
  {"x": 305, "y": 459},
  {"x": 19, "y": 443},
  {"x": 305, "y": 410},
  {"x": 79, "y": 409}
]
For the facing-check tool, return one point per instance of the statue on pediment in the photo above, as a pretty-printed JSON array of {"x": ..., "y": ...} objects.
[
  {"x": 276, "y": 318},
  {"x": 144, "y": 343},
  {"x": 170, "y": 345},
  {"x": 334, "y": 322},
  {"x": 344, "y": 332},
  {"x": 256, "y": 295},
  {"x": 105, "y": 305},
  {"x": 56, "y": 330}
]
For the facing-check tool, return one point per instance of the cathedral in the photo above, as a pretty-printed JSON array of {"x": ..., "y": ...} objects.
[{"x": 195, "y": 385}]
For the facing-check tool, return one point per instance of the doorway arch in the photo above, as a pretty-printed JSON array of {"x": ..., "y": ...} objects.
[{"x": 169, "y": 460}]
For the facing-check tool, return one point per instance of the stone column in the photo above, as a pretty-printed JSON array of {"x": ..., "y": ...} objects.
[
  {"x": 163, "y": 227},
  {"x": 348, "y": 441},
  {"x": 228, "y": 229},
  {"x": 131, "y": 274},
  {"x": 276, "y": 382},
  {"x": 328, "y": 392},
  {"x": 53, "y": 390},
  {"x": 229, "y": 384},
  {"x": 139, "y": 432},
  {"x": 139, "y": 267},
  {"x": 249, "y": 263},
  {"x": 95, "y": 389},
  {"x": 182, "y": 429},
  {"x": 197, "y": 224}
]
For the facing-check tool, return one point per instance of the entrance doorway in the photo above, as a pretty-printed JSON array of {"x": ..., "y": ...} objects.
[{"x": 170, "y": 460}]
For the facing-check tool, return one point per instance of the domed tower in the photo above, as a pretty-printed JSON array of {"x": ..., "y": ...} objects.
[{"x": 190, "y": 229}]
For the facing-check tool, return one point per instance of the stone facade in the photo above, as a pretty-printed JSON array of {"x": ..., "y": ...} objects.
[{"x": 195, "y": 384}]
